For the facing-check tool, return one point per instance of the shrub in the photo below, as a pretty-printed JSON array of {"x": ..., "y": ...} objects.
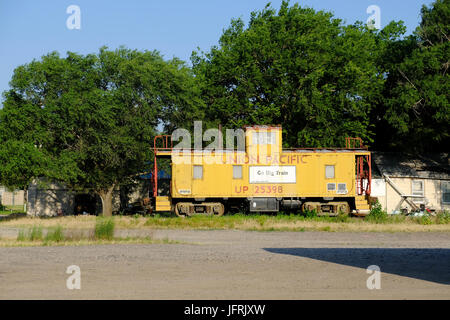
[
  {"x": 32, "y": 234},
  {"x": 22, "y": 236},
  {"x": 35, "y": 234},
  {"x": 342, "y": 217},
  {"x": 425, "y": 219},
  {"x": 443, "y": 217},
  {"x": 104, "y": 228},
  {"x": 377, "y": 214},
  {"x": 55, "y": 234},
  {"x": 310, "y": 214}
]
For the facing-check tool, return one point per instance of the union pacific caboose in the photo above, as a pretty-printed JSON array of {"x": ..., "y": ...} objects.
[{"x": 264, "y": 177}]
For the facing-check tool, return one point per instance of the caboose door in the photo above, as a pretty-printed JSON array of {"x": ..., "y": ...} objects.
[{"x": 182, "y": 179}]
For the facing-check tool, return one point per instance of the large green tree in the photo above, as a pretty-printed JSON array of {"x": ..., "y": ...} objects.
[
  {"x": 297, "y": 67},
  {"x": 415, "y": 111},
  {"x": 89, "y": 120}
]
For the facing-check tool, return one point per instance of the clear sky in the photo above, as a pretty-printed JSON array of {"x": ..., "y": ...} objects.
[{"x": 30, "y": 29}]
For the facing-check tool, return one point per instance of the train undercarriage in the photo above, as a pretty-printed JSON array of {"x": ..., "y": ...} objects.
[{"x": 220, "y": 206}]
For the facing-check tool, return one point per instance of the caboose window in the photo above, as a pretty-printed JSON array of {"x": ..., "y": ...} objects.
[
  {"x": 264, "y": 138},
  {"x": 198, "y": 172},
  {"x": 329, "y": 172},
  {"x": 237, "y": 172},
  {"x": 342, "y": 188}
]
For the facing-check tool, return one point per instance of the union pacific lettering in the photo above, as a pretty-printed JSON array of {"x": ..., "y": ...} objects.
[{"x": 269, "y": 159}]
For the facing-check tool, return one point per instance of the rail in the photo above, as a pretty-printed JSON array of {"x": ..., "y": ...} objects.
[{"x": 354, "y": 143}]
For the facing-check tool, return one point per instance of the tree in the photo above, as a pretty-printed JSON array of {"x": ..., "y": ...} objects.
[
  {"x": 89, "y": 121},
  {"x": 296, "y": 67},
  {"x": 416, "y": 106}
]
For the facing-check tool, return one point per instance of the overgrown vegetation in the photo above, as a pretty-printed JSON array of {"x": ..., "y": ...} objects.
[
  {"x": 377, "y": 214},
  {"x": 103, "y": 233},
  {"x": 55, "y": 234},
  {"x": 85, "y": 230},
  {"x": 104, "y": 229},
  {"x": 11, "y": 209}
]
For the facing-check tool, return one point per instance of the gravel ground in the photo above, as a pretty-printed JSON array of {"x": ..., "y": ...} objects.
[{"x": 230, "y": 264}]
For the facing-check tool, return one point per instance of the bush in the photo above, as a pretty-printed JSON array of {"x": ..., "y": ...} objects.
[
  {"x": 342, "y": 217},
  {"x": 104, "y": 228},
  {"x": 310, "y": 214},
  {"x": 35, "y": 234},
  {"x": 55, "y": 234},
  {"x": 32, "y": 234},
  {"x": 377, "y": 214},
  {"x": 443, "y": 217},
  {"x": 425, "y": 219}
]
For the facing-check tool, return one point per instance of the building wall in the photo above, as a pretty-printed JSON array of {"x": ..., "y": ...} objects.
[
  {"x": 432, "y": 193},
  {"x": 49, "y": 201},
  {"x": 9, "y": 198},
  {"x": 54, "y": 198}
]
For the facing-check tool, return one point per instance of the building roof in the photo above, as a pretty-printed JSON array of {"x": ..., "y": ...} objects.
[{"x": 429, "y": 166}]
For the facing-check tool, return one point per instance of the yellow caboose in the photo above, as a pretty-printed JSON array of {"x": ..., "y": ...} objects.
[{"x": 264, "y": 177}]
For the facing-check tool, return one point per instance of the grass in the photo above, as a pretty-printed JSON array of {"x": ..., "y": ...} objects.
[
  {"x": 55, "y": 234},
  {"x": 102, "y": 233},
  {"x": 32, "y": 234},
  {"x": 377, "y": 214},
  {"x": 84, "y": 242},
  {"x": 104, "y": 229},
  {"x": 94, "y": 228},
  {"x": 11, "y": 209}
]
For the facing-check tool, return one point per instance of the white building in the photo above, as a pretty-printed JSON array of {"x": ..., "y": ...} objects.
[{"x": 402, "y": 181}]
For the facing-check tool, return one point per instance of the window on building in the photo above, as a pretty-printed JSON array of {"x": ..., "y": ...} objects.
[
  {"x": 329, "y": 172},
  {"x": 265, "y": 137},
  {"x": 198, "y": 172},
  {"x": 445, "y": 185},
  {"x": 237, "y": 172},
  {"x": 417, "y": 188}
]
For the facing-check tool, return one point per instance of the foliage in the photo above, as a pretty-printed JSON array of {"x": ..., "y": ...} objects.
[
  {"x": 414, "y": 112},
  {"x": 425, "y": 219},
  {"x": 296, "y": 67},
  {"x": 377, "y": 214},
  {"x": 31, "y": 234},
  {"x": 310, "y": 214},
  {"x": 54, "y": 234},
  {"x": 104, "y": 228},
  {"x": 89, "y": 121},
  {"x": 443, "y": 217}
]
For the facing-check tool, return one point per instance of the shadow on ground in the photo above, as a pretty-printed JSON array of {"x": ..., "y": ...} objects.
[{"x": 424, "y": 264}]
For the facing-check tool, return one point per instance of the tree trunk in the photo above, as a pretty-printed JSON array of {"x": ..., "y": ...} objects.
[{"x": 106, "y": 196}]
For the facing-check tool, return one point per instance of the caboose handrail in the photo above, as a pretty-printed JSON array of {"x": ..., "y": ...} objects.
[
  {"x": 354, "y": 143},
  {"x": 166, "y": 140}
]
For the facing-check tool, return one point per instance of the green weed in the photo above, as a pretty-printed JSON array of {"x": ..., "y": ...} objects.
[
  {"x": 104, "y": 228},
  {"x": 377, "y": 214}
]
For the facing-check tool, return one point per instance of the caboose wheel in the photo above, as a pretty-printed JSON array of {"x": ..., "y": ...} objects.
[
  {"x": 180, "y": 209},
  {"x": 186, "y": 209}
]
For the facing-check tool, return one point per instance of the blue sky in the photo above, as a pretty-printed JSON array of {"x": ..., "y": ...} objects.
[{"x": 30, "y": 29}]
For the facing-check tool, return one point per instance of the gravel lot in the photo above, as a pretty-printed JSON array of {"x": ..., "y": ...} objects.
[{"x": 236, "y": 265}]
